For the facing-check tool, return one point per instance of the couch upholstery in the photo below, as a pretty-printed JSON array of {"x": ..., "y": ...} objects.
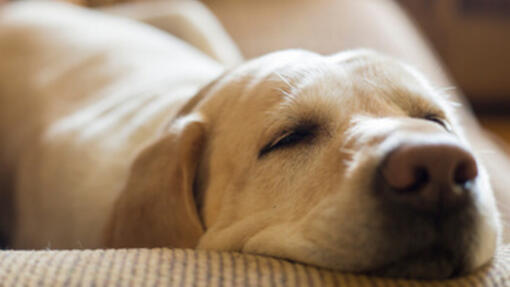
[{"x": 178, "y": 267}]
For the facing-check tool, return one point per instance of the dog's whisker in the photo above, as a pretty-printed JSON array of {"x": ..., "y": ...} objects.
[
  {"x": 348, "y": 163},
  {"x": 448, "y": 97},
  {"x": 285, "y": 93},
  {"x": 370, "y": 82},
  {"x": 454, "y": 104},
  {"x": 446, "y": 90},
  {"x": 285, "y": 80},
  {"x": 347, "y": 151}
]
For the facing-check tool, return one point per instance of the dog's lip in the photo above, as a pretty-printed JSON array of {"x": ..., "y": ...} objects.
[{"x": 432, "y": 263}]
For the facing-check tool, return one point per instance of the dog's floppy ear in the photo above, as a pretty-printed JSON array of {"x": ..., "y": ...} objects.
[{"x": 157, "y": 206}]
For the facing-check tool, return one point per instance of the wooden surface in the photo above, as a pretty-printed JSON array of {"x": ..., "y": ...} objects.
[
  {"x": 499, "y": 126},
  {"x": 472, "y": 38}
]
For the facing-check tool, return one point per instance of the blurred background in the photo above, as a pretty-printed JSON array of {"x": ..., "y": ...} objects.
[
  {"x": 470, "y": 37},
  {"x": 473, "y": 40}
]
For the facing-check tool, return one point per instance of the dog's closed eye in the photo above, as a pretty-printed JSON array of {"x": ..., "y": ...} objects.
[
  {"x": 438, "y": 120},
  {"x": 289, "y": 138}
]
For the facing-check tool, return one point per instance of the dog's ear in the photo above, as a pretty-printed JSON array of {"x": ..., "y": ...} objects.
[{"x": 157, "y": 206}]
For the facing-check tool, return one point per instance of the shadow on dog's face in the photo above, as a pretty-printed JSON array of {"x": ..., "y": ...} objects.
[{"x": 350, "y": 162}]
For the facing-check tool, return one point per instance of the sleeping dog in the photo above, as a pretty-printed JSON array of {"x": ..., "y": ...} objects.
[{"x": 115, "y": 134}]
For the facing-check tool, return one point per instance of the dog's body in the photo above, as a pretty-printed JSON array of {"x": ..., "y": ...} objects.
[
  {"x": 63, "y": 127},
  {"x": 106, "y": 141}
]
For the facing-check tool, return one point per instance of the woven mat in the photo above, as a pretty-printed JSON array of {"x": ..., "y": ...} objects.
[{"x": 177, "y": 267}]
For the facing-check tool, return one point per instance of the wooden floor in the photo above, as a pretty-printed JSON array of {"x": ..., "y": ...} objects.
[{"x": 498, "y": 125}]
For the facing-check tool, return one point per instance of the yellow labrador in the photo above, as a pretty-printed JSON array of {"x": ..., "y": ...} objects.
[{"x": 351, "y": 161}]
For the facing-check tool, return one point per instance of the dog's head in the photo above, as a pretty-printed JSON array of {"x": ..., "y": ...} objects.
[{"x": 351, "y": 162}]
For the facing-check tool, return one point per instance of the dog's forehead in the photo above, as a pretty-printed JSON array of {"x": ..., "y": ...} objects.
[
  {"x": 300, "y": 85},
  {"x": 364, "y": 82}
]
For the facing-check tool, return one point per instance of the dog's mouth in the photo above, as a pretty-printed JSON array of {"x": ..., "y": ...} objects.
[
  {"x": 432, "y": 263},
  {"x": 432, "y": 248},
  {"x": 430, "y": 244}
]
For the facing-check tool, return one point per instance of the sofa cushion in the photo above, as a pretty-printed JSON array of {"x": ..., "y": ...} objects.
[{"x": 178, "y": 267}]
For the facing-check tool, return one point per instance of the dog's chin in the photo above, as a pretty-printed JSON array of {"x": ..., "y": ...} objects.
[{"x": 434, "y": 263}]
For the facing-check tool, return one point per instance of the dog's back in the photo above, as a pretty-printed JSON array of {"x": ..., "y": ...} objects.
[{"x": 80, "y": 93}]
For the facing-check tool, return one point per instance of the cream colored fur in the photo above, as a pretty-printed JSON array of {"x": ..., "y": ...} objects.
[
  {"x": 81, "y": 93},
  {"x": 112, "y": 144}
]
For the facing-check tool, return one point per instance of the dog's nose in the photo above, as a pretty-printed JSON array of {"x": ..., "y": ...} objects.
[{"x": 426, "y": 176}]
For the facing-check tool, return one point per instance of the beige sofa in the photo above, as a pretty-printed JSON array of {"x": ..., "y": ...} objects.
[{"x": 176, "y": 267}]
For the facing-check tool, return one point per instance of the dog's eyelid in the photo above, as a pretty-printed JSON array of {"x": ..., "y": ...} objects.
[
  {"x": 439, "y": 120},
  {"x": 289, "y": 137},
  {"x": 284, "y": 134}
]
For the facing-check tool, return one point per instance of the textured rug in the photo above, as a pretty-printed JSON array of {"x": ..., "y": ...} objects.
[{"x": 177, "y": 267}]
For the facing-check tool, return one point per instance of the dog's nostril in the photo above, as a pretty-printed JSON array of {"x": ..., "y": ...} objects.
[
  {"x": 421, "y": 178},
  {"x": 465, "y": 171},
  {"x": 417, "y": 179}
]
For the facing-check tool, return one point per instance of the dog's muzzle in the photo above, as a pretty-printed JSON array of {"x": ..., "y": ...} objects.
[{"x": 426, "y": 193}]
